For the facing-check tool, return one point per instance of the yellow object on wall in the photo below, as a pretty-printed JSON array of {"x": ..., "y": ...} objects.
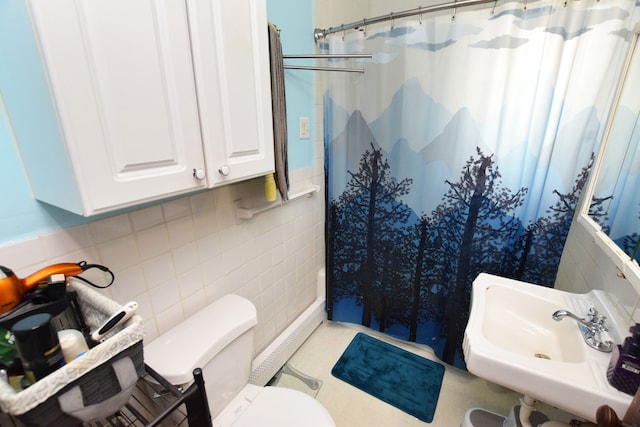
[{"x": 270, "y": 188}]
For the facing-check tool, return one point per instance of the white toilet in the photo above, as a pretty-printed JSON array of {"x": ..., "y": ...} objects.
[{"x": 219, "y": 339}]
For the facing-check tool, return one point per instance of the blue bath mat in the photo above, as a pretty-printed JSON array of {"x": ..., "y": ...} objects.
[{"x": 409, "y": 382}]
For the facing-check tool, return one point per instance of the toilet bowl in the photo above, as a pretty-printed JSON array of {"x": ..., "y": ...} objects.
[
  {"x": 219, "y": 340},
  {"x": 273, "y": 407}
]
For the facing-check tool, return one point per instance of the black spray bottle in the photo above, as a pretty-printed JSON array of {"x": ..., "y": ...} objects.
[{"x": 624, "y": 368}]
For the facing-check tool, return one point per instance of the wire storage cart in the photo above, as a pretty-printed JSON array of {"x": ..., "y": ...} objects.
[
  {"x": 153, "y": 402},
  {"x": 107, "y": 386}
]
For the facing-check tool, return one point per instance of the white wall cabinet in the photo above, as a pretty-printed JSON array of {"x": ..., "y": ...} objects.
[
  {"x": 145, "y": 94},
  {"x": 230, "y": 48}
]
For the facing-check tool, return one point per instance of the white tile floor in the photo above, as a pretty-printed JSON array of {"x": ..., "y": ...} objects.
[{"x": 351, "y": 407}]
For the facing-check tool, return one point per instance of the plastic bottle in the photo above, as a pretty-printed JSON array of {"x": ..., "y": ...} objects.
[
  {"x": 624, "y": 368},
  {"x": 38, "y": 346},
  {"x": 72, "y": 343},
  {"x": 269, "y": 187}
]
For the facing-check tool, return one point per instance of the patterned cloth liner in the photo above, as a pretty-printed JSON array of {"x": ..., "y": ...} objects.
[{"x": 96, "y": 309}]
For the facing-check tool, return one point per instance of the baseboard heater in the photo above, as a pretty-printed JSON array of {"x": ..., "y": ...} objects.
[{"x": 272, "y": 358}]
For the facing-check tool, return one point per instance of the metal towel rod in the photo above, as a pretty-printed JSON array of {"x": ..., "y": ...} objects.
[
  {"x": 347, "y": 70},
  {"x": 327, "y": 56},
  {"x": 330, "y": 56}
]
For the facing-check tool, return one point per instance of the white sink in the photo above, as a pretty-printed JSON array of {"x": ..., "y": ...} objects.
[{"x": 512, "y": 340}]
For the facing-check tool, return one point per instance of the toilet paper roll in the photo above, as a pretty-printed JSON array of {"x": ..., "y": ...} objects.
[{"x": 72, "y": 343}]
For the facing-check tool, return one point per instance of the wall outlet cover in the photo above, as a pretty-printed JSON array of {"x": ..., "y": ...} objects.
[{"x": 304, "y": 126}]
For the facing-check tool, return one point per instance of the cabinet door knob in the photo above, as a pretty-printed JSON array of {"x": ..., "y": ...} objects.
[
  {"x": 199, "y": 174},
  {"x": 224, "y": 170}
]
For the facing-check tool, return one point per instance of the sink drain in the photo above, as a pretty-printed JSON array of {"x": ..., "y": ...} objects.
[{"x": 542, "y": 356}]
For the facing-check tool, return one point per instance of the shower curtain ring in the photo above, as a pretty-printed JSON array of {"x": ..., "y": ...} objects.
[
  {"x": 342, "y": 26},
  {"x": 393, "y": 22},
  {"x": 455, "y": 10},
  {"x": 420, "y": 11},
  {"x": 364, "y": 24},
  {"x": 493, "y": 10}
]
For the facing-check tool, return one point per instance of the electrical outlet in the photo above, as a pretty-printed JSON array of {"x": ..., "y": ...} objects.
[{"x": 304, "y": 126}]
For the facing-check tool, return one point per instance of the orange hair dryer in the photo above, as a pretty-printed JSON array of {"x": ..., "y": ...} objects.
[{"x": 13, "y": 289}]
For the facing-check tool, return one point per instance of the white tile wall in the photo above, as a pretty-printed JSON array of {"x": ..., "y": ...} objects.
[
  {"x": 175, "y": 257},
  {"x": 584, "y": 266}
]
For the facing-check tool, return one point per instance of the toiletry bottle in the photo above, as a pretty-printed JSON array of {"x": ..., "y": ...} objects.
[
  {"x": 624, "y": 368},
  {"x": 38, "y": 346}
]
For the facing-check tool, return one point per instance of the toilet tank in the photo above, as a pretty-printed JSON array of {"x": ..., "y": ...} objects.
[{"x": 219, "y": 340}]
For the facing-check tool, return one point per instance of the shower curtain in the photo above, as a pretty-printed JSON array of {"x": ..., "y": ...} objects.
[{"x": 462, "y": 149}]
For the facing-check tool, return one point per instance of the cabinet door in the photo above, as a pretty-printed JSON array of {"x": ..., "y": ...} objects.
[
  {"x": 231, "y": 61},
  {"x": 122, "y": 81}
]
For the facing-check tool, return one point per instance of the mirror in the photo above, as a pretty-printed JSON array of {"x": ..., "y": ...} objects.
[{"x": 615, "y": 203}]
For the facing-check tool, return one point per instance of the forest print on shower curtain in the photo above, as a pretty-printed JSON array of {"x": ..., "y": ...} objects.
[{"x": 462, "y": 149}]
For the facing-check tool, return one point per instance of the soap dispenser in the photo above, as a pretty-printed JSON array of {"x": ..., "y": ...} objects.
[{"x": 624, "y": 368}]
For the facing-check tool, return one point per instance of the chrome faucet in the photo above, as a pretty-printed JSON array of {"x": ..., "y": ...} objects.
[{"x": 593, "y": 330}]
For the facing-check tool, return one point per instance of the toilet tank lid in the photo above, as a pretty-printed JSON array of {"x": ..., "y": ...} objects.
[{"x": 194, "y": 341}]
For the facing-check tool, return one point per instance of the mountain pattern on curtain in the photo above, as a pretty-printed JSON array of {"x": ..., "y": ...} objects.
[{"x": 462, "y": 149}]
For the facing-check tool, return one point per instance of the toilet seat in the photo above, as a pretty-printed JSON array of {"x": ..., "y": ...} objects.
[{"x": 273, "y": 407}]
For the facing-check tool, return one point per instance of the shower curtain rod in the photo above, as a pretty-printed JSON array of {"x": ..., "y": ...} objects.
[{"x": 322, "y": 33}]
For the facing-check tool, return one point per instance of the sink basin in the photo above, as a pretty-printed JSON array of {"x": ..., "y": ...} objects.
[
  {"x": 523, "y": 324},
  {"x": 512, "y": 340}
]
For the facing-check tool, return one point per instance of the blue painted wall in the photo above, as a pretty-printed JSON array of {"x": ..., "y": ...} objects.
[
  {"x": 22, "y": 216},
  {"x": 295, "y": 20}
]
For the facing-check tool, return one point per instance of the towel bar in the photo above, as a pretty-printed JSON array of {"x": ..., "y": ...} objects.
[{"x": 243, "y": 213}]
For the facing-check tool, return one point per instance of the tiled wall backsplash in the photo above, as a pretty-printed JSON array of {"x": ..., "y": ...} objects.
[
  {"x": 585, "y": 266},
  {"x": 174, "y": 258}
]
